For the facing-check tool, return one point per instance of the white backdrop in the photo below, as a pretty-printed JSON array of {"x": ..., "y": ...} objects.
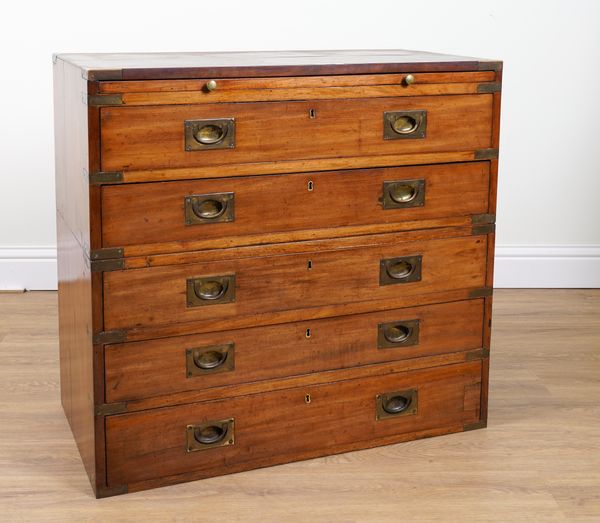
[{"x": 549, "y": 209}]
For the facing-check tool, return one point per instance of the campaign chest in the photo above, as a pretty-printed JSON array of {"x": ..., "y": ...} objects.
[{"x": 269, "y": 257}]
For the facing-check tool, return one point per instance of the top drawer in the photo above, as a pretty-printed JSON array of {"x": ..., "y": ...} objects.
[{"x": 212, "y": 134}]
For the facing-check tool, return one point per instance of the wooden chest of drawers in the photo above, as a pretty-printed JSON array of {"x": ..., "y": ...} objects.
[{"x": 268, "y": 257}]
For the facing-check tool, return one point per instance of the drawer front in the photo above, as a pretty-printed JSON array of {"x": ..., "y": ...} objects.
[
  {"x": 286, "y": 425},
  {"x": 224, "y": 289},
  {"x": 138, "y": 138},
  {"x": 151, "y": 368},
  {"x": 136, "y": 214}
]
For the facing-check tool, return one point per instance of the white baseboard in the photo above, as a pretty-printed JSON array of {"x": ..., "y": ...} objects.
[
  {"x": 516, "y": 266},
  {"x": 547, "y": 266},
  {"x": 28, "y": 268}
]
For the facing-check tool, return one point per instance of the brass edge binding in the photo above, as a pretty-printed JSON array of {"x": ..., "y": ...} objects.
[
  {"x": 104, "y": 337},
  {"x": 495, "y": 87},
  {"x": 486, "y": 154},
  {"x": 104, "y": 100},
  {"x": 101, "y": 178},
  {"x": 490, "y": 65},
  {"x": 483, "y": 229},
  {"x": 482, "y": 424},
  {"x": 479, "y": 354},
  {"x": 106, "y": 409},
  {"x": 105, "y": 492},
  {"x": 482, "y": 219},
  {"x": 483, "y": 292}
]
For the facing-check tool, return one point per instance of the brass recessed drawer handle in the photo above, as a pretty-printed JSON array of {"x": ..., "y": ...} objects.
[
  {"x": 399, "y": 125},
  {"x": 210, "y": 434},
  {"x": 209, "y": 208},
  {"x": 400, "y": 270},
  {"x": 396, "y": 404},
  {"x": 398, "y": 334},
  {"x": 210, "y": 290},
  {"x": 403, "y": 194},
  {"x": 214, "y": 133},
  {"x": 210, "y": 360}
]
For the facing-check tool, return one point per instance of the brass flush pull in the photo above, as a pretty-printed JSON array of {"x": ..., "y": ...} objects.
[
  {"x": 212, "y": 290},
  {"x": 209, "y": 208},
  {"x": 400, "y": 270},
  {"x": 404, "y": 124},
  {"x": 398, "y": 334},
  {"x": 403, "y": 194},
  {"x": 396, "y": 404},
  {"x": 210, "y": 360},
  {"x": 215, "y": 133},
  {"x": 209, "y": 435}
]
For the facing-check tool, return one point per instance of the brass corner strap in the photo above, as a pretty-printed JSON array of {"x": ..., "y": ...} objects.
[
  {"x": 101, "y": 178},
  {"x": 490, "y": 87},
  {"x": 105, "y": 337},
  {"x": 479, "y": 354},
  {"x": 107, "y": 265},
  {"x": 482, "y": 424},
  {"x": 482, "y": 292},
  {"x": 103, "y": 100},
  {"x": 483, "y": 229},
  {"x": 490, "y": 65},
  {"x": 482, "y": 219},
  {"x": 107, "y": 253},
  {"x": 107, "y": 409},
  {"x": 486, "y": 154}
]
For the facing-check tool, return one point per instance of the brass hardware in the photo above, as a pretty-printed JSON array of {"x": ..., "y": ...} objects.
[
  {"x": 486, "y": 154},
  {"x": 480, "y": 219},
  {"x": 107, "y": 253},
  {"x": 482, "y": 424},
  {"x": 483, "y": 292},
  {"x": 312, "y": 113},
  {"x": 478, "y": 354},
  {"x": 409, "y": 79},
  {"x": 104, "y": 100},
  {"x": 402, "y": 333},
  {"x": 400, "y": 270},
  {"x": 311, "y": 185},
  {"x": 403, "y": 194},
  {"x": 210, "y": 434},
  {"x": 308, "y": 333},
  {"x": 404, "y": 124},
  {"x": 490, "y": 65},
  {"x": 396, "y": 404},
  {"x": 307, "y": 399},
  {"x": 211, "y": 85},
  {"x": 106, "y": 337},
  {"x": 107, "y": 409},
  {"x": 209, "y": 208},
  {"x": 483, "y": 229},
  {"x": 101, "y": 178},
  {"x": 210, "y": 290},
  {"x": 215, "y": 133},
  {"x": 210, "y": 360},
  {"x": 494, "y": 87},
  {"x": 107, "y": 265}
]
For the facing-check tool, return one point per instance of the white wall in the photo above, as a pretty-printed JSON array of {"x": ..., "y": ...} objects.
[{"x": 549, "y": 209}]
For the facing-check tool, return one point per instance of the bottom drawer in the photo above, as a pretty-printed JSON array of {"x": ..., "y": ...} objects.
[{"x": 218, "y": 437}]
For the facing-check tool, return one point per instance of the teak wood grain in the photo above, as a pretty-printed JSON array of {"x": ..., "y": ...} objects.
[
  {"x": 143, "y": 214},
  {"x": 157, "y": 295},
  {"x": 136, "y": 138},
  {"x": 278, "y": 426},
  {"x": 158, "y": 367}
]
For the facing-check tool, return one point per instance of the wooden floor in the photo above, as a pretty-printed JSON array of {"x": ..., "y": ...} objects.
[{"x": 539, "y": 459}]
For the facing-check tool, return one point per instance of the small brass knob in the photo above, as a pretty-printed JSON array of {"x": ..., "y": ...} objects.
[
  {"x": 409, "y": 79},
  {"x": 211, "y": 85}
]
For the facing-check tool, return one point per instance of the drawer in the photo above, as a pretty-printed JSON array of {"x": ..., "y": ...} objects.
[
  {"x": 146, "y": 213},
  {"x": 317, "y": 277},
  {"x": 158, "y": 367},
  {"x": 217, "y": 437},
  {"x": 153, "y": 137}
]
